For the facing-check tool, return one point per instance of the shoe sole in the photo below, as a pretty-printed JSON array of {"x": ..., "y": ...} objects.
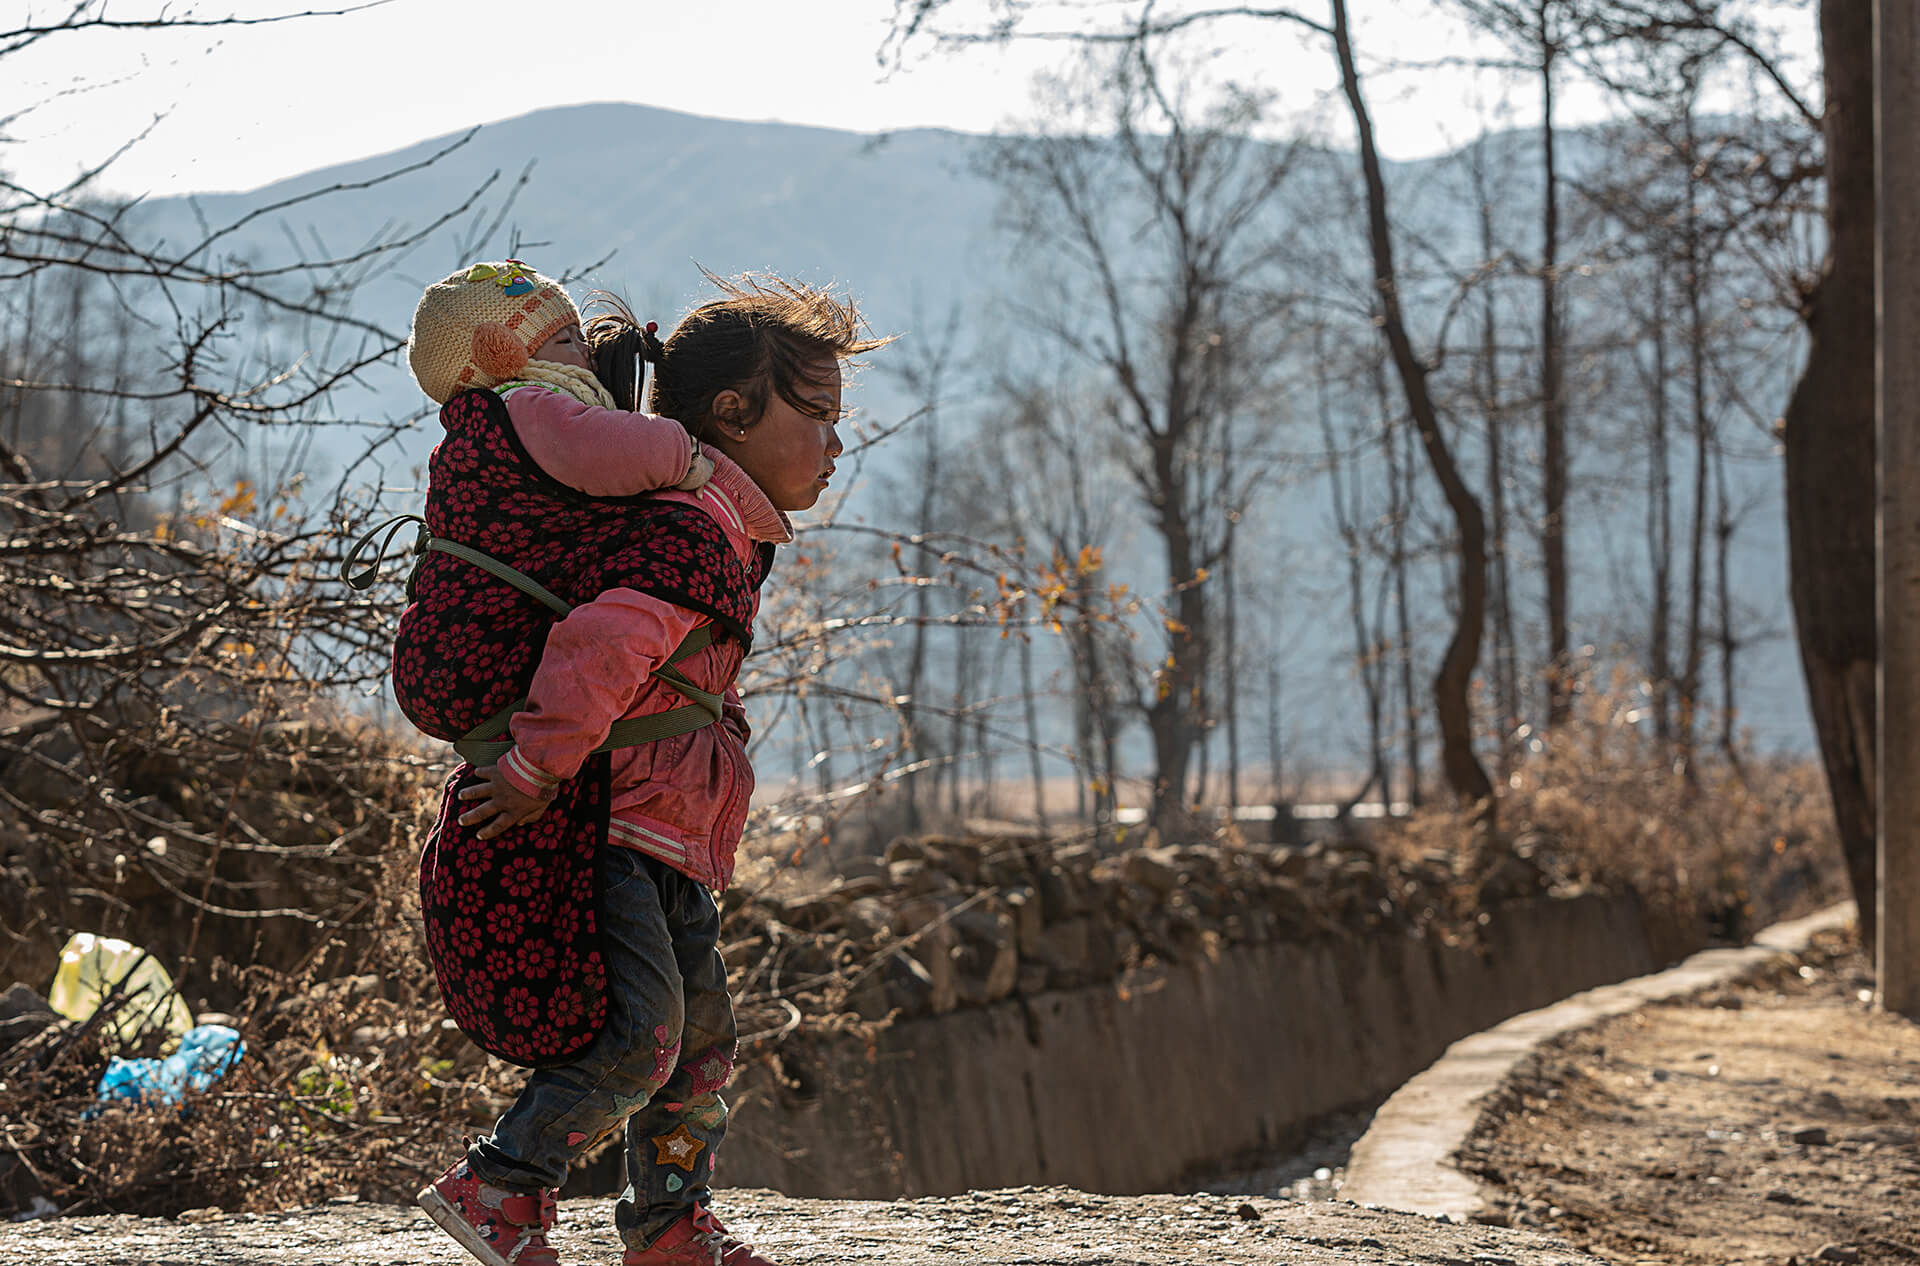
[{"x": 464, "y": 1233}]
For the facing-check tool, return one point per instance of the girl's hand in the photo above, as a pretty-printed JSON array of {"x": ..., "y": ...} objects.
[{"x": 502, "y": 802}]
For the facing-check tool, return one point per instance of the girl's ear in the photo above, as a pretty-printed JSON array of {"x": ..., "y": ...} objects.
[{"x": 730, "y": 411}]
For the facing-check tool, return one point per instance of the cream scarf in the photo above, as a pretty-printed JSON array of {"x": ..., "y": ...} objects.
[{"x": 567, "y": 379}]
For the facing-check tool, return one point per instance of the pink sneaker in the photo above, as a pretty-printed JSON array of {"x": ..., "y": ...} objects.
[
  {"x": 500, "y": 1227},
  {"x": 695, "y": 1240}
]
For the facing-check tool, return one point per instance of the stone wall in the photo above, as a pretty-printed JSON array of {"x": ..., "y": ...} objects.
[{"x": 1134, "y": 1084}]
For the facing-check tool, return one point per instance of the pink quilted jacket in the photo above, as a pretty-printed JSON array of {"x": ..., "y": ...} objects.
[{"x": 683, "y": 800}]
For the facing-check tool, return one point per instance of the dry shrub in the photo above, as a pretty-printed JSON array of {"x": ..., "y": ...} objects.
[
  {"x": 353, "y": 1079},
  {"x": 350, "y": 1082},
  {"x": 1742, "y": 839}
]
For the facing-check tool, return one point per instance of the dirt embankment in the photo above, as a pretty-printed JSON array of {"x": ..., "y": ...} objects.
[{"x": 1770, "y": 1122}]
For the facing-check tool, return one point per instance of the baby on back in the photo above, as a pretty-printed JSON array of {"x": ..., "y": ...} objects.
[
  {"x": 549, "y": 487},
  {"x": 502, "y": 326}
]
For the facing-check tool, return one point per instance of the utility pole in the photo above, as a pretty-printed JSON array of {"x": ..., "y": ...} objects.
[{"x": 1897, "y": 131}]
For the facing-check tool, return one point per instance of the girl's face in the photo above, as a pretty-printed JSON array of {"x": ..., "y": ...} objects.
[
  {"x": 789, "y": 452},
  {"x": 568, "y": 347}
]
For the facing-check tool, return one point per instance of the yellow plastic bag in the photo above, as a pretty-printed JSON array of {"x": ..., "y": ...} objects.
[{"x": 91, "y": 966}]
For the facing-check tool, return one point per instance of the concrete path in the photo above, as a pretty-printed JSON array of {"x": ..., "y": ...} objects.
[{"x": 1404, "y": 1160}]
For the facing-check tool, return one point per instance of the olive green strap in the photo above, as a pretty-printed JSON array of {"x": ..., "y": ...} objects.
[
  {"x": 423, "y": 541},
  {"x": 493, "y": 566},
  {"x": 364, "y": 578},
  {"x": 483, "y": 745}
]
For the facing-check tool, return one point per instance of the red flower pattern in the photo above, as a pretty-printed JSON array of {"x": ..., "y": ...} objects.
[
  {"x": 469, "y": 643},
  {"x": 520, "y": 877},
  {"x": 520, "y": 1005}
]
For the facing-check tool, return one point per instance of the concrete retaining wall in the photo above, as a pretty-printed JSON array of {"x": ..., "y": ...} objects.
[{"x": 1135, "y": 1086}]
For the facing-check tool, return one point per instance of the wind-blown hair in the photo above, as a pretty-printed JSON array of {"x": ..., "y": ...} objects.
[{"x": 766, "y": 336}]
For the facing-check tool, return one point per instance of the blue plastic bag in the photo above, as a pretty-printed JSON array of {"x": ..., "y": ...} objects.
[{"x": 204, "y": 1056}]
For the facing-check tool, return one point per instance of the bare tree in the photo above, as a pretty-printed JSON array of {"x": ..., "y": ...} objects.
[
  {"x": 1452, "y": 708},
  {"x": 1453, "y": 679},
  {"x": 1538, "y": 31},
  {"x": 923, "y": 371},
  {"x": 1829, "y": 419},
  {"x": 1369, "y": 649},
  {"x": 1488, "y": 397},
  {"x": 175, "y": 629},
  {"x": 1050, "y": 478},
  {"x": 1166, "y": 348}
]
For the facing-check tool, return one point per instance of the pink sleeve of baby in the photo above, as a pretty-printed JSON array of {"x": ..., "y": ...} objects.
[{"x": 601, "y": 452}]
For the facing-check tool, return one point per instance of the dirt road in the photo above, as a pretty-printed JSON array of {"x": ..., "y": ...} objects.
[{"x": 1771, "y": 1122}]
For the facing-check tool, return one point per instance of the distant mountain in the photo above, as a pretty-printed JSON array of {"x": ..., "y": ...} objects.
[{"x": 887, "y": 217}]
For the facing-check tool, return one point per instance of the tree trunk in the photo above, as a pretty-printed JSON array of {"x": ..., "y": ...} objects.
[
  {"x": 1230, "y": 705},
  {"x": 1100, "y": 714},
  {"x": 917, "y": 656},
  {"x": 1032, "y": 708},
  {"x": 1172, "y": 718},
  {"x": 1082, "y": 750},
  {"x": 983, "y": 742},
  {"x": 1694, "y": 652},
  {"x": 1830, "y": 458},
  {"x": 1553, "y": 415},
  {"x": 1723, "y": 529},
  {"x": 1368, "y": 662},
  {"x": 957, "y": 725},
  {"x": 1276, "y": 753},
  {"x": 1506, "y": 678},
  {"x": 1402, "y": 476},
  {"x": 1660, "y": 527},
  {"x": 1454, "y": 679}
]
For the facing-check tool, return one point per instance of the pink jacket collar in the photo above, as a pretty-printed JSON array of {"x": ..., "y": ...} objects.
[{"x": 763, "y": 522}]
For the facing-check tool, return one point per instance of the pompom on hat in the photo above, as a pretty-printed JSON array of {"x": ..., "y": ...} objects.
[{"x": 480, "y": 326}]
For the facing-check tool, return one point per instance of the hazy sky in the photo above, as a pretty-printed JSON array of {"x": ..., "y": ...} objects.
[{"x": 244, "y": 106}]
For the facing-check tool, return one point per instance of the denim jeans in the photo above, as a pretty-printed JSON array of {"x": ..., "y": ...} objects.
[{"x": 656, "y": 1069}]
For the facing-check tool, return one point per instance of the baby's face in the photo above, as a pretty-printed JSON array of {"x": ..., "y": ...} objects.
[{"x": 568, "y": 347}]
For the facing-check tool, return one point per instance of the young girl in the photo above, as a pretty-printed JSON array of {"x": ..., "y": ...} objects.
[{"x": 756, "y": 379}]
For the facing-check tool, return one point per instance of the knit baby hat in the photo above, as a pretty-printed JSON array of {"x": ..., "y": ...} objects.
[{"x": 480, "y": 326}]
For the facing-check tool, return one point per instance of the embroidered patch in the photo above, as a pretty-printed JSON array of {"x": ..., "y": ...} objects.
[
  {"x": 627, "y": 1105},
  {"x": 675, "y": 1182},
  {"x": 576, "y": 1138},
  {"x": 675, "y": 1107},
  {"x": 711, "y": 1072},
  {"x": 708, "y": 1116},
  {"x": 678, "y": 1148},
  {"x": 663, "y": 1061}
]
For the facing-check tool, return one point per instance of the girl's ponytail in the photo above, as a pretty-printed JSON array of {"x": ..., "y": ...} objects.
[{"x": 621, "y": 347}]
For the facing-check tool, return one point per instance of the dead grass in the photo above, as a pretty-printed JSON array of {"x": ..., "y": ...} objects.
[{"x": 1746, "y": 840}]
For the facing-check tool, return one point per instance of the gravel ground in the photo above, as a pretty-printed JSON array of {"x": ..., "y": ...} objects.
[{"x": 1028, "y": 1226}]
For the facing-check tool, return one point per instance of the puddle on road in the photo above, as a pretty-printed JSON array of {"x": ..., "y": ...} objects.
[{"x": 1313, "y": 1168}]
